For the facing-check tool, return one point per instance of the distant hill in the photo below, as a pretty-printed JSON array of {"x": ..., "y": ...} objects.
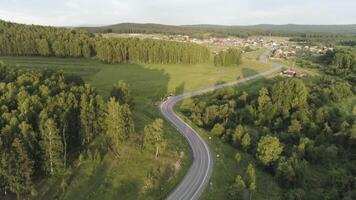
[{"x": 222, "y": 30}]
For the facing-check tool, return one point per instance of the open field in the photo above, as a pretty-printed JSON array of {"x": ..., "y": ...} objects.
[
  {"x": 149, "y": 83},
  {"x": 290, "y": 63},
  {"x": 136, "y": 176}
]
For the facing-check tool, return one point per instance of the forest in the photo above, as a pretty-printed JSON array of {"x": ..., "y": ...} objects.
[
  {"x": 227, "y": 57},
  {"x": 340, "y": 62},
  {"x": 326, "y": 39},
  {"x": 300, "y": 131},
  {"x": 202, "y": 31},
  {"x": 31, "y": 40},
  {"x": 48, "y": 119}
]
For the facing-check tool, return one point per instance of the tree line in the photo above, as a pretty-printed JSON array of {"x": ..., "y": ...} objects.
[
  {"x": 291, "y": 127},
  {"x": 203, "y": 31},
  {"x": 48, "y": 118},
  {"x": 31, "y": 40},
  {"x": 339, "y": 62},
  {"x": 134, "y": 50},
  {"x": 227, "y": 57}
]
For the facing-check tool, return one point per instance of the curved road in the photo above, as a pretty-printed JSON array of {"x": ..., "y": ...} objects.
[{"x": 197, "y": 178}]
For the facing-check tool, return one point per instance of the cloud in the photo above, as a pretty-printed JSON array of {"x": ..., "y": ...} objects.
[
  {"x": 74, "y": 12},
  {"x": 19, "y": 17}
]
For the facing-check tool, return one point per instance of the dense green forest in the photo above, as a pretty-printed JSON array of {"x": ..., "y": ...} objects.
[
  {"x": 131, "y": 50},
  {"x": 326, "y": 39},
  {"x": 300, "y": 131},
  {"x": 227, "y": 57},
  {"x": 200, "y": 31},
  {"x": 31, "y": 40},
  {"x": 45, "y": 118},
  {"x": 48, "y": 119},
  {"x": 340, "y": 62}
]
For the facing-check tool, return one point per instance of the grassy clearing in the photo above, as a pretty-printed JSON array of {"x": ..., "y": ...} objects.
[
  {"x": 290, "y": 63},
  {"x": 137, "y": 175}
]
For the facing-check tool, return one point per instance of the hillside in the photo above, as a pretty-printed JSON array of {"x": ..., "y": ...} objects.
[{"x": 222, "y": 30}]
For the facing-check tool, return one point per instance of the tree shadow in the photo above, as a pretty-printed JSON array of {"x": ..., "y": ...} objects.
[
  {"x": 147, "y": 87},
  {"x": 129, "y": 190},
  {"x": 179, "y": 89},
  {"x": 246, "y": 72}
]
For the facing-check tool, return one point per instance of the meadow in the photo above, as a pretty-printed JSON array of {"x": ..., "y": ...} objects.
[{"x": 137, "y": 175}]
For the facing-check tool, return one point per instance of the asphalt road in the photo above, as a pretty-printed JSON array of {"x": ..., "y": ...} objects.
[{"x": 197, "y": 178}]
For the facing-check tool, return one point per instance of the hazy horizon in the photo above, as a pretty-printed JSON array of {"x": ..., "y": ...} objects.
[{"x": 179, "y": 12}]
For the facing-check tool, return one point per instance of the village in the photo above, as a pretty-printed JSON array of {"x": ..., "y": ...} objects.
[{"x": 281, "y": 47}]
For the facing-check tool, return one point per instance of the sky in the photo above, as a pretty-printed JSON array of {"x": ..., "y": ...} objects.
[{"x": 178, "y": 12}]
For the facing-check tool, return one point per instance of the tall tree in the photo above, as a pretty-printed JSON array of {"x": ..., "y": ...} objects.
[
  {"x": 251, "y": 179},
  {"x": 119, "y": 125},
  {"x": 21, "y": 170},
  {"x": 154, "y": 137},
  {"x": 51, "y": 146}
]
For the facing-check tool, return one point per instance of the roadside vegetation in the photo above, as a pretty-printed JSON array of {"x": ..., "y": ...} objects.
[{"x": 298, "y": 135}]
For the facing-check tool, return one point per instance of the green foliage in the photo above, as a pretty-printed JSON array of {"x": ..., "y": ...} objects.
[
  {"x": 295, "y": 127},
  {"x": 238, "y": 157},
  {"x": 246, "y": 141},
  {"x": 119, "y": 125},
  {"x": 342, "y": 61},
  {"x": 268, "y": 149},
  {"x": 300, "y": 131},
  {"x": 339, "y": 62},
  {"x": 289, "y": 94},
  {"x": 238, "y": 188},
  {"x": 239, "y": 133},
  {"x": 41, "y": 126},
  {"x": 52, "y": 146},
  {"x": 153, "y": 140},
  {"x": 228, "y": 57},
  {"x": 20, "y": 170},
  {"x": 122, "y": 94},
  {"x": 266, "y": 110},
  {"x": 290, "y": 171},
  {"x": 218, "y": 130},
  {"x": 91, "y": 114},
  {"x": 25, "y": 40},
  {"x": 251, "y": 179}
]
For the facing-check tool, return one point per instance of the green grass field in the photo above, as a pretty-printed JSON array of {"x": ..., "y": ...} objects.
[{"x": 137, "y": 175}]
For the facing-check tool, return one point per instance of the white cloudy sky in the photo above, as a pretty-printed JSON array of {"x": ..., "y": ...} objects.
[{"x": 229, "y": 12}]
